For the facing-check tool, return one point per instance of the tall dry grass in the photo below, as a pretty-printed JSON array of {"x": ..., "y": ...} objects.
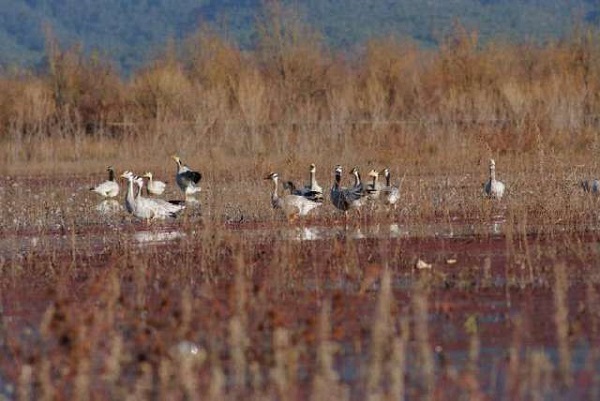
[{"x": 292, "y": 99}]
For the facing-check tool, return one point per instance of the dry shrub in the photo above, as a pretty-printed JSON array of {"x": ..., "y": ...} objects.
[
  {"x": 293, "y": 100},
  {"x": 87, "y": 91},
  {"x": 27, "y": 105}
]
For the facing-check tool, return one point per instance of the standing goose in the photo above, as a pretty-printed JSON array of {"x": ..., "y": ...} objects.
[
  {"x": 311, "y": 191},
  {"x": 145, "y": 208},
  {"x": 161, "y": 207},
  {"x": 187, "y": 179},
  {"x": 494, "y": 188},
  {"x": 292, "y": 205},
  {"x": 303, "y": 192},
  {"x": 359, "y": 186},
  {"x": 154, "y": 187},
  {"x": 109, "y": 188},
  {"x": 374, "y": 187},
  {"x": 313, "y": 186},
  {"x": 390, "y": 193},
  {"x": 345, "y": 198},
  {"x": 130, "y": 203},
  {"x": 357, "y": 181}
]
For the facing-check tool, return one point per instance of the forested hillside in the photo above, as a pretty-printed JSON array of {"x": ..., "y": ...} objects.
[{"x": 129, "y": 32}]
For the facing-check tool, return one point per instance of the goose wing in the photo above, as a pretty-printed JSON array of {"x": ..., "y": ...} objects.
[
  {"x": 191, "y": 176},
  {"x": 157, "y": 208},
  {"x": 346, "y": 198},
  {"x": 590, "y": 186},
  {"x": 298, "y": 204},
  {"x": 107, "y": 189},
  {"x": 305, "y": 192},
  {"x": 352, "y": 195},
  {"x": 156, "y": 187}
]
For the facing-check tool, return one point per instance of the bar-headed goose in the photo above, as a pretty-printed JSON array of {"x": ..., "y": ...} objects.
[{"x": 108, "y": 188}]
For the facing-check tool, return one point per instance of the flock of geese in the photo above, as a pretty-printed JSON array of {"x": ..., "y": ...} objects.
[
  {"x": 150, "y": 208},
  {"x": 299, "y": 201}
]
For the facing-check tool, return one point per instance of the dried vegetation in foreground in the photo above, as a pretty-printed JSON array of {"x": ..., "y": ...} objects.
[{"x": 229, "y": 304}]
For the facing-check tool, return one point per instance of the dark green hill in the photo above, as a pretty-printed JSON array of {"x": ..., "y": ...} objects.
[{"x": 128, "y": 32}]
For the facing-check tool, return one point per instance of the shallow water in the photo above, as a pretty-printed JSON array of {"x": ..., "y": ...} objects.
[{"x": 475, "y": 274}]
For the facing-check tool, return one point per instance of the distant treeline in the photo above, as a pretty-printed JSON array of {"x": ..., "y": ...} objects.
[{"x": 130, "y": 32}]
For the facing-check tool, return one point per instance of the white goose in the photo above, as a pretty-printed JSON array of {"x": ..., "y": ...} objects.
[
  {"x": 187, "y": 179},
  {"x": 292, "y": 205},
  {"x": 145, "y": 208},
  {"x": 154, "y": 187},
  {"x": 494, "y": 188},
  {"x": 109, "y": 188},
  {"x": 161, "y": 207},
  {"x": 314, "y": 186},
  {"x": 346, "y": 198},
  {"x": 391, "y": 193}
]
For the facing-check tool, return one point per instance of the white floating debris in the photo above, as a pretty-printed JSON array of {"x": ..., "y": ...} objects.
[
  {"x": 109, "y": 206},
  {"x": 188, "y": 350},
  {"x": 421, "y": 264},
  {"x": 308, "y": 234},
  {"x": 151, "y": 237}
]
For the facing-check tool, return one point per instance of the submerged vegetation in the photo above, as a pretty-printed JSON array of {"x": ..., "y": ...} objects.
[{"x": 447, "y": 295}]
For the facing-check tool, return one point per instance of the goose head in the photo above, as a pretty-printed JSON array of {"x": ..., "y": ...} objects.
[
  {"x": 272, "y": 176},
  {"x": 127, "y": 175},
  {"x": 177, "y": 160},
  {"x": 139, "y": 181},
  {"x": 111, "y": 173},
  {"x": 373, "y": 174}
]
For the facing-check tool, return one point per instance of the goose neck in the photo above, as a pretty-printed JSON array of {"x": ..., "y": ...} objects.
[
  {"x": 274, "y": 195},
  {"x": 337, "y": 181},
  {"x": 130, "y": 196},
  {"x": 356, "y": 178}
]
